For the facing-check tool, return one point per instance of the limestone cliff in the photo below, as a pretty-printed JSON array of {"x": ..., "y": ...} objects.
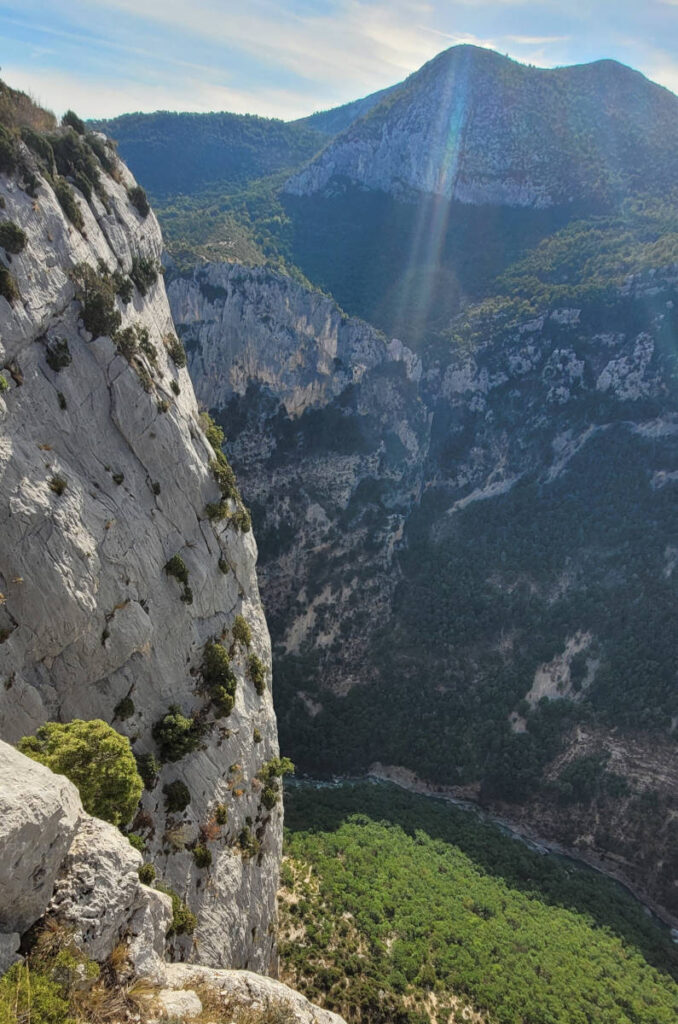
[{"x": 105, "y": 473}]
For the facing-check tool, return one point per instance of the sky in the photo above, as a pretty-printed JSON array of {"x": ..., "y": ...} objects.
[{"x": 287, "y": 59}]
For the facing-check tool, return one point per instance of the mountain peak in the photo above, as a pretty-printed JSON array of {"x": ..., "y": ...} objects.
[{"x": 479, "y": 127}]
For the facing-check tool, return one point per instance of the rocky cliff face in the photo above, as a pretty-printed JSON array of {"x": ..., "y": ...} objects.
[
  {"x": 325, "y": 425},
  {"x": 455, "y": 557},
  {"x": 105, "y": 474},
  {"x": 474, "y": 126}
]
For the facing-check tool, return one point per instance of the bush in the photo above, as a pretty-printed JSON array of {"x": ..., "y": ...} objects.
[
  {"x": 212, "y": 431},
  {"x": 221, "y": 814},
  {"x": 96, "y": 292},
  {"x": 144, "y": 273},
  {"x": 137, "y": 841},
  {"x": 177, "y": 567},
  {"x": 58, "y": 484},
  {"x": 126, "y": 343},
  {"x": 138, "y": 199},
  {"x": 223, "y": 564},
  {"x": 7, "y": 151},
  {"x": 8, "y": 286},
  {"x": 28, "y": 997},
  {"x": 175, "y": 349},
  {"x": 249, "y": 844},
  {"x": 219, "y": 678},
  {"x": 202, "y": 856},
  {"x": 71, "y": 119},
  {"x": 149, "y": 768},
  {"x": 4, "y": 385},
  {"x": 68, "y": 203},
  {"x": 242, "y": 634},
  {"x": 58, "y": 355},
  {"x": 174, "y": 384},
  {"x": 175, "y": 734},
  {"x": 12, "y": 238},
  {"x": 183, "y": 920},
  {"x": 97, "y": 759},
  {"x": 147, "y": 874},
  {"x": 257, "y": 673},
  {"x": 242, "y": 520},
  {"x": 178, "y": 796},
  {"x": 124, "y": 709}
]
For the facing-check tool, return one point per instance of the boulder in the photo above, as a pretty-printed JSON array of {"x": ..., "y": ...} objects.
[{"x": 39, "y": 815}]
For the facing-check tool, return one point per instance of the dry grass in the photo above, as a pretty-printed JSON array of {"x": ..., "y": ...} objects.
[{"x": 20, "y": 110}]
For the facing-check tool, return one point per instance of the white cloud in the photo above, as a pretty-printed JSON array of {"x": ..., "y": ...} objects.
[{"x": 59, "y": 90}]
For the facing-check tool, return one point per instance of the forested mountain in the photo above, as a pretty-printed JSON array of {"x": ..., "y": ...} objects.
[{"x": 466, "y": 522}]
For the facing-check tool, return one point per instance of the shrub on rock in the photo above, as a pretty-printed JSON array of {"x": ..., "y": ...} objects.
[{"x": 97, "y": 759}]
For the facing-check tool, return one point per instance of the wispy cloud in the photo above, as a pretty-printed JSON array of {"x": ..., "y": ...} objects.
[{"x": 288, "y": 57}]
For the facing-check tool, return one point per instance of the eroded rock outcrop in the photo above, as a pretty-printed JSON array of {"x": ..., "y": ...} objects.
[{"x": 105, "y": 473}]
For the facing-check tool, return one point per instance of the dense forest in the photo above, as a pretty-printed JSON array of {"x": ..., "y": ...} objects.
[{"x": 399, "y": 909}]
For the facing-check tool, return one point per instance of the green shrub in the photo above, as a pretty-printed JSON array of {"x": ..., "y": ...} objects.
[
  {"x": 175, "y": 734},
  {"x": 212, "y": 431},
  {"x": 139, "y": 201},
  {"x": 219, "y": 678},
  {"x": 223, "y": 565},
  {"x": 187, "y": 595},
  {"x": 174, "y": 384},
  {"x": 123, "y": 286},
  {"x": 242, "y": 634},
  {"x": 137, "y": 841},
  {"x": 118, "y": 478},
  {"x": 58, "y": 355},
  {"x": 96, "y": 293},
  {"x": 8, "y": 286},
  {"x": 183, "y": 920},
  {"x": 148, "y": 767},
  {"x": 29, "y": 997},
  {"x": 249, "y": 844},
  {"x": 147, "y": 874},
  {"x": 242, "y": 520},
  {"x": 155, "y": 487},
  {"x": 124, "y": 709},
  {"x": 221, "y": 814},
  {"x": 177, "y": 567},
  {"x": 4, "y": 385},
  {"x": 216, "y": 511},
  {"x": 177, "y": 796},
  {"x": 269, "y": 795},
  {"x": 7, "y": 151},
  {"x": 71, "y": 119},
  {"x": 175, "y": 349},
  {"x": 126, "y": 343},
  {"x": 144, "y": 273},
  {"x": 12, "y": 238},
  {"x": 257, "y": 673},
  {"x": 61, "y": 398},
  {"x": 97, "y": 759},
  {"x": 256, "y": 736},
  {"x": 40, "y": 146},
  {"x": 58, "y": 484},
  {"x": 202, "y": 856},
  {"x": 68, "y": 203}
]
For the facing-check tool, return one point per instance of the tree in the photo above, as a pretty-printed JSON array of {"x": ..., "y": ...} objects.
[{"x": 97, "y": 759}]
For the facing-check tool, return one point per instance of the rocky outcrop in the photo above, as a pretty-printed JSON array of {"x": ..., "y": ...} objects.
[
  {"x": 39, "y": 815},
  {"x": 474, "y": 126},
  {"x": 59, "y": 861},
  {"x": 105, "y": 475},
  {"x": 243, "y": 987}
]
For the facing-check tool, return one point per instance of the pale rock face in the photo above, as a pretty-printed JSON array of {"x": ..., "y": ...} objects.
[
  {"x": 58, "y": 860},
  {"x": 87, "y": 613},
  {"x": 39, "y": 815},
  {"x": 99, "y": 895},
  {"x": 245, "y": 325},
  {"x": 249, "y": 988}
]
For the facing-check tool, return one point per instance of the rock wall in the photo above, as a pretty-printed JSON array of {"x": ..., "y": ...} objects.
[{"x": 104, "y": 476}]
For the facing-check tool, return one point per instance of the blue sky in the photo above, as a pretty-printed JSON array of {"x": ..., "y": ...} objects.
[{"x": 286, "y": 59}]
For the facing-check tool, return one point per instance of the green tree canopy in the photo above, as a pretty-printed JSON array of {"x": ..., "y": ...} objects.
[{"x": 96, "y": 758}]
